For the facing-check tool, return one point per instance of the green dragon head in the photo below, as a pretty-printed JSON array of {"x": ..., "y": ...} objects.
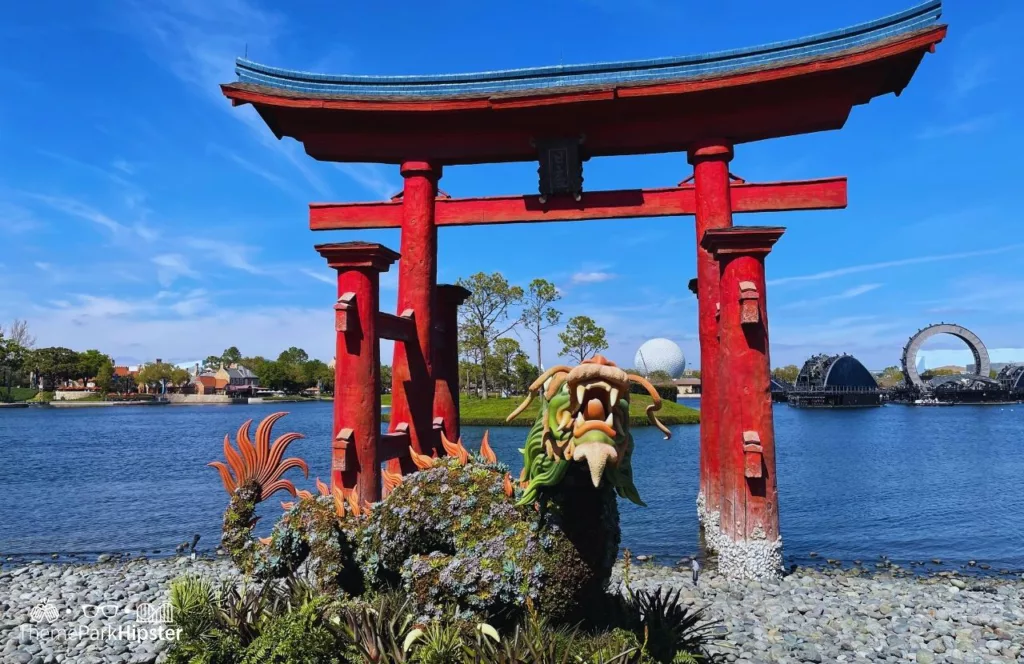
[{"x": 584, "y": 418}]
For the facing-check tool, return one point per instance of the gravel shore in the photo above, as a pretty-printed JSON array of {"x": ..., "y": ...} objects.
[
  {"x": 809, "y": 616},
  {"x": 836, "y": 615}
]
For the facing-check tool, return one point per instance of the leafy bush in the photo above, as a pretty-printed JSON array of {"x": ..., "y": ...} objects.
[
  {"x": 666, "y": 390},
  {"x": 296, "y": 637},
  {"x": 289, "y": 623}
]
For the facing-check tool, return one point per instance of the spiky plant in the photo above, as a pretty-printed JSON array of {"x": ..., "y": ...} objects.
[
  {"x": 259, "y": 462},
  {"x": 668, "y": 626},
  {"x": 194, "y": 607}
]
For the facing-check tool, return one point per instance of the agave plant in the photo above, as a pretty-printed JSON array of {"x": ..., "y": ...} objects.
[
  {"x": 259, "y": 462},
  {"x": 668, "y": 626}
]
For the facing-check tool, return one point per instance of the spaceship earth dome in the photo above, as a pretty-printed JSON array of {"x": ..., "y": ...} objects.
[{"x": 660, "y": 355}]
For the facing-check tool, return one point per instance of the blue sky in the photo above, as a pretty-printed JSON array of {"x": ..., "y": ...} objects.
[{"x": 142, "y": 215}]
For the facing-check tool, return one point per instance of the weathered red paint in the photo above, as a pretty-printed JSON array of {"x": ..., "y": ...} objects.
[
  {"x": 749, "y": 499},
  {"x": 812, "y": 95},
  {"x": 711, "y": 180},
  {"x": 412, "y": 384},
  {"x": 446, "y": 357},
  {"x": 823, "y": 194},
  {"x": 354, "y": 461}
]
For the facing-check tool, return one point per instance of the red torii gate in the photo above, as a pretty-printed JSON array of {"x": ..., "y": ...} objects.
[{"x": 561, "y": 116}]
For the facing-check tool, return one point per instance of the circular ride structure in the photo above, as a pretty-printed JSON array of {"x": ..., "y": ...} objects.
[{"x": 909, "y": 360}]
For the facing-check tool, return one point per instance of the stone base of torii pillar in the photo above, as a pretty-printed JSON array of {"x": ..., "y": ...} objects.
[{"x": 744, "y": 531}]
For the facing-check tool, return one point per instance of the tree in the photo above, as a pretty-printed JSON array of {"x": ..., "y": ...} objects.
[
  {"x": 484, "y": 313},
  {"x": 179, "y": 377},
  {"x": 538, "y": 314},
  {"x": 19, "y": 334},
  {"x": 294, "y": 356},
  {"x": 212, "y": 363},
  {"x": 582, "y": 338},
  {"x": 506, "y": 350},
  {"x": 12, "y": 358},
  {"x": 104, "y": 377},
  {"x": 385, "y": 378},
  {"x": 231, "y": 356},
  {"x": 55, "y": 364},
  {"x": 154, "y": 374},
  {"x": 90, "y": 362},
  {"x": 891, "y": 376},
  {"x": 787, "y": 373},
  {"x": 524, "y": 373},
  {"x": 659, "y": 376}
]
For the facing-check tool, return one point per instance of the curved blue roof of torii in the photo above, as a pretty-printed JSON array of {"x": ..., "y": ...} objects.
[{"x": 539, "y": 79}]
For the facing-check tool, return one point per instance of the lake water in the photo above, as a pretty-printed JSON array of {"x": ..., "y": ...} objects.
[{"x": 910, "y": 483}]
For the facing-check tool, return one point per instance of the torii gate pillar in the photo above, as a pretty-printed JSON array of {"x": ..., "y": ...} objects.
[
  {"x": 355, "y": 458},
  {"x": 746, "y": 535},
  {"x": 713, "y": 210},
  {"x": 412, "y": 387}
]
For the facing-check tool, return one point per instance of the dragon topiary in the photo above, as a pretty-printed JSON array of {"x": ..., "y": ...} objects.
[{"x": 461, "y": 537}]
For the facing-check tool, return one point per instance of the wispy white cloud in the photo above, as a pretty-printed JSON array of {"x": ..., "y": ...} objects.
[
  {"x": 964, "y": 127},
  {"x": 319, "y": 276},
  {"x": 595, "y": 277},
  {"x": 372, "y": 177},
  {"x": 80, "y": 210},
  {"x": 256, "y": 169},
  {"x": 136, "y": 330},
  {"x": 902, "y": 262},
  {"x": 124, "y": 166},
  {"x": 17, "y": 219},
  {"x": 198, "y": 41},
  {"x": 847, "y": 294},
  {"x": 172, "y": 266},
  {"x": 235, "y": 255}
]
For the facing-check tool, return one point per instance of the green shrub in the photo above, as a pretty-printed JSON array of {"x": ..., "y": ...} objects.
[
  {"x": 296, "y": 637},
  {"x": 43, "y": 396},
  {"x": 667, "y": 391}
]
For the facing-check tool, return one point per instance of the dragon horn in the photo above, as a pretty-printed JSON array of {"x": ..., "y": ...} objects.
[{"x": 656, "y": 405}]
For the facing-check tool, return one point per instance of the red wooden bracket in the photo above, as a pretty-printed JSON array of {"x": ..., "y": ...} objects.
[
  {"x": 339, "y": 448},
  {"x": 397, "y": 328},
  {"x": 393, "y": 444},
  {"x": 752, "y": 454},
  {"x": 750, "y": 310},
  {"x": 344, "y": 310}
]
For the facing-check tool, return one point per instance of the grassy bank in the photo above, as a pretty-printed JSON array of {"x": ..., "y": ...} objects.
[
  {"x": 18, "y": 393},
  {"x": 492, "y": 412}
]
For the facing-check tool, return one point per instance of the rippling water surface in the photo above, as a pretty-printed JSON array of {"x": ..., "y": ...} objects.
[{"x": 910, "y": 483}]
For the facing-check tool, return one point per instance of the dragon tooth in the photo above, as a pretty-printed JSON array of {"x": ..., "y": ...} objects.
[
  {"x": 580, "y": 391},
  {"x": 613, "y": 400},
  {"x": 610, "y": 419}
]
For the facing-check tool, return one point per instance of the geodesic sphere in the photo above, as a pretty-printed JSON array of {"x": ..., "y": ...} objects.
[{"x": 660, "y": 355}]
